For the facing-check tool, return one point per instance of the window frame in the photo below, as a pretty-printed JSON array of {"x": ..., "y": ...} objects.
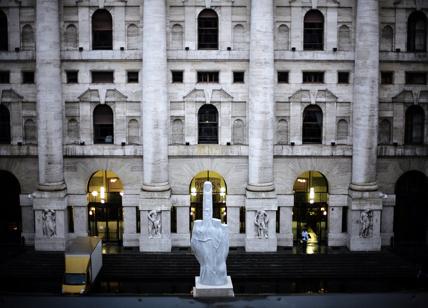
[{"x": 205, "y": 31}]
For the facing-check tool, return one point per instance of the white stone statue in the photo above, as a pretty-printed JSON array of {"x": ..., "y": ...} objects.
[
  {"x": 49, "y": 223},
  {"x": 366, "y": 223},
  {"x": 210, "y": 243},
  {"x": 154, "y": 223},
  {"x": 261, "y": 221}
]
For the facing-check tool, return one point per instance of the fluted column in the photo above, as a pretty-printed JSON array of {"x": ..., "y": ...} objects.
[
  {"x": 155, "y": 117},
  {"x": 260, "y": 189},
  {"x": 50, "y": 201},
  {"x": 363, "y": 196}
]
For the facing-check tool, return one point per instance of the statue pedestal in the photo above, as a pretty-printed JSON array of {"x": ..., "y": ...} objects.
[{"x": 202, "y": 290}]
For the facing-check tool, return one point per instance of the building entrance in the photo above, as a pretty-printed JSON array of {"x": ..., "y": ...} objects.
[
  {"x": 411, "y": 209},
  {"x": 219, "y": 196},
  {"x": 10, "y": 219},
  {"x": 105, "y": 213},
  {"x": 310, "y": 210}
]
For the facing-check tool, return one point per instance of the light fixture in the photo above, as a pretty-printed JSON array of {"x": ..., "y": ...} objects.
[
  {"x": 301, "y": 180},
  {"x": 222, "y": 191},
  {"x": 121, "y": 193},
  {"x": 103, "y": 201},
  {"x": 102, "y": 192},
  {"x": 90, "y": 213},
  {"x": 324, "y": 213},
  {"x": 311, "y": 195},
  {"x": 193, "y": 191},
  {"x": 113, "y": 180},
  {"x": 94, "y": 193}
]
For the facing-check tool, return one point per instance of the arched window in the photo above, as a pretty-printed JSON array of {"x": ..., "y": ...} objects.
[
  {"x": 414, "y": 131},
  {"x": 176, "y": 37},
  {"x": 239, "y": 39},
  {"x": 177, "y": 132},
  {"x": 313, "y": 35},
  {"x": 133, "y": 132},
  {"x": 384, "y": 136},
  {"x": 30, "y": 132},
  {"x": 132, "y": 37},
  {"x": 4, "y": 125},
  {"x": 342, "y": 131},
  {"x": 70, "y": 37},
  {"x": 283, "y": 37},
  {"x": 73, "y": 130},
  {"x": 282, "y": 132},
  {"x": 344, "y": 38},
  {"x": 238, "y": 132},
  {"x": 312, "y": 125},
  {"x": 102, "y": 30},
  {"x": 417, "y": 32},
  {"x": 208, "y": 124},
  {"x": 386, "y": 39},
  {"x": 27, "y": 38},
  {"x": 208, "y": 30},
  {"x": 3, "y": 31},
  {"x": 103, "y": 124}
]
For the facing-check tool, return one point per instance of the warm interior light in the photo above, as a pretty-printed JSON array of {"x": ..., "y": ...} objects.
[
  {"x": 311, "y": 193},
  {"x": 113, "y": 180},
  {"x": 102, "y": 192},
  {"x": 90, "y": 213},
  {"x": 103, "y": 201},
  {"x": 193, "y": 191},
  {"x": 121, "y": 193},
  {"x": 301, "y": 180},
  {"x": 325, "y": 213},
  {"x": 94, "y": 193}
]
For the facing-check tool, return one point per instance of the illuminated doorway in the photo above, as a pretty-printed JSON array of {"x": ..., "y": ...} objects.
[
  {"x": 196, "y": 190},
  {"x": 310, "y": 209},
  {"x": 10, "y": 219},
  {"x": 411, "y": 210},
  {"x": 105, "y": 191}
]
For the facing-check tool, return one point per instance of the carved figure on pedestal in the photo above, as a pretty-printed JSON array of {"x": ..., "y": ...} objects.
[
  {"x": 366, "y": 223},
  {"x": 210, "y": 243},
  {"x": 261, "y": 221},
  {"x": 49, "y": 223},
  {"x": 154, "y": 223}
]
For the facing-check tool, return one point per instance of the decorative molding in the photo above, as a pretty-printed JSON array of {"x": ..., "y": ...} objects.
[
  {"x": 405, "y": 96},
  {"x": 195, "y": 95},
  {"x": 9, "y": 95},
  {"x": 113, "y": 95},
  {"x": 220, "y": 95},
  {"x": 326, "y": 96},
  {"x": 301, "y": 96},
  {"x": 90, "y": 95},
  {"x": 423, "y": 97}
]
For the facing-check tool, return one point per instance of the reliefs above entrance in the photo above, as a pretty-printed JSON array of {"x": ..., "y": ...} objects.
[
  {"x": 208, "y": 96},
  {"x": 110, "y": 95}
]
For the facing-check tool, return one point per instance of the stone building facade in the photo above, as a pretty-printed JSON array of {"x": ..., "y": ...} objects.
[{"x": 270, "y": 97}]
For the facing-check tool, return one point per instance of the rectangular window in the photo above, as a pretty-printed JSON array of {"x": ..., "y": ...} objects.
[
  {"x": 386, "y": 77},
  {"x": 343, "y": 77},
  {"x": 132, "y": 77},
  {"x": 282, "y": 77},
  {"x": 242, "y": 220},
  {"x": 102, "y": 76},
  {"x": 313, "y": 77},
  {"x": 173, "y": 219},
  {"x": 207, "y": 77},
  {"x": 4, "y": 77},
  {"x": 27, "y": 77},
  {"x": 416, "y": 78},
  {"x": 137, "y": 220},
  {"x": 345, "y": 219},
  {"x": 70, "y": 219},
  {"x": 177, "y": 76},
  {"x": 238, "y": 77},
  {"x": 72, "y": 76}
]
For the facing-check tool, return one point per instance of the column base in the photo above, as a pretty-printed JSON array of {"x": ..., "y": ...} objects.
[
  {"x": 261, "y": 244},
  {"x": 364, "y": 216},
  {"x": 155, "y": 244},
  {"x": 51, "y": 223}
]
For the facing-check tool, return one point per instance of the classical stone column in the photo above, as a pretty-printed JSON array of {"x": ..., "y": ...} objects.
[
  {"x": 364, "y": 201},
  {"x": 156, "y": 191},
  {"x": 50, "y": 202},
  {"x": 260, "y": 190}
]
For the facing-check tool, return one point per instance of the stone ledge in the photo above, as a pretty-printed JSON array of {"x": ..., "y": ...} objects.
[{"x": 201, "y": 290}]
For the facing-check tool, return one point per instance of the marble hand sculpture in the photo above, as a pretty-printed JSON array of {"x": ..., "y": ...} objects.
[{"x": 210, "y": 243}]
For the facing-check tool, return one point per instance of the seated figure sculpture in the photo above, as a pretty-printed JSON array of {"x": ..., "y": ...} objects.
[{"x": 210, "y": 243}]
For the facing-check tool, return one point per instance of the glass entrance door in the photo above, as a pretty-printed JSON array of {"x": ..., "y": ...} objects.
[{"x": 106, "y": 221}]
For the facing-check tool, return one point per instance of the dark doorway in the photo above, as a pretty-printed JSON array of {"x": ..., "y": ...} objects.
[
  {"x": 208, "y": 30},
  {"x": 102, "y": 30},
  {"x": 4, "y": 125},
  {"x": 3, "y": 32},
  {"x": 310, "y": 209},
  {"x": 10, "y": 219},
  {"x": 105, "y": 212},
  {"x": 103, "y": 124},
  {"x": 411, "y": 209}
]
